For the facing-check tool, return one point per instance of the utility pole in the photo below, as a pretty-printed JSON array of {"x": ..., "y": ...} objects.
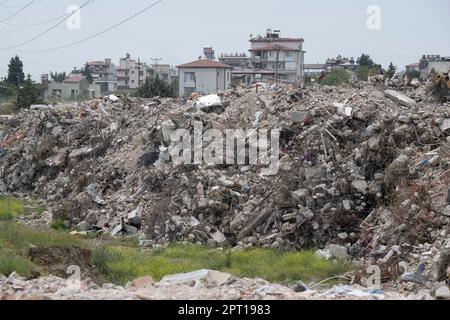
[
  {"x": 156, "y": 63},
  {"x": 139, "y": 72}
]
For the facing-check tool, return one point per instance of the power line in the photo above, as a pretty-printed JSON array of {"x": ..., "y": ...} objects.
[
  {"x": 17, "y": 12},
  {"x": 98, "y": 33},
  {"x": 38, "y": 23},
  {"x": 16, "y": 6},
  {"x": 48, "y": 30}
]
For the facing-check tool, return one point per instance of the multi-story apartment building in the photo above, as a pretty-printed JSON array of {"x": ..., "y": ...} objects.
[
  {"x": 282, "y": 56},
  {"x": 131, "y": 74},
  {"x": 104, "y": 74}
]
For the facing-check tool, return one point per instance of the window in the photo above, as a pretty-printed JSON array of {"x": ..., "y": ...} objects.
[
  {"x": 189, "y": 76},
  {"x": 289, "y": 54}
]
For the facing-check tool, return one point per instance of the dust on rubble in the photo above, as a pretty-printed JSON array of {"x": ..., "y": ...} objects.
[{"x": 364, "y": 174}]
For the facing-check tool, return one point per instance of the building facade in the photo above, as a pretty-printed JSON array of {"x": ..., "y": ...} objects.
[
  {"x": 104, "y": 74},
  {"x": 75, "y": 87},
  {"x": 313, "y": 70},
  {"x": 238, "y": 61},
  {"x": 433, "y": 62},
  {"x": 203, "y": 76},
  {"x": 131, "y": 74},
  {"x": 163, "y": 71},
  {"x": 283, "y": 56}
]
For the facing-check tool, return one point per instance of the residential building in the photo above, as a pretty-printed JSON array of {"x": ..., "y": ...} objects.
[
  {"x": 249, "y": 76},
  {"x": 312, "y": 70},
  {"x": 131, "y": 74},
  {"x": 75, "y": 87},
  {"x": 104, "y": 74},
  {"x": 163, "y": 70},
  {"x": 283, "y": 56},
  {"x": 413, "y": 67},
  {"x": 433, "y": 62},
  {"x": 203, "y": 76},
  {"x": 341, "y": 63},
  {"x": 238, "y": 61}
]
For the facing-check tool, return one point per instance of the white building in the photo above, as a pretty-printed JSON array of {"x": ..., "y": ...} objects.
[
  {"x": 132, "y": 74},
  {"x": 433, "y": 62},
  {"x": 104, "y": 74},
  {"x": 283, "y": 56},
  {"x": 204, "y": 76}
]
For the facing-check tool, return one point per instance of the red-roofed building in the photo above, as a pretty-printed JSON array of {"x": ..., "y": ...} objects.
[
  {"x": 75, "y": 87},
  {"x": 204, "y": 76}
]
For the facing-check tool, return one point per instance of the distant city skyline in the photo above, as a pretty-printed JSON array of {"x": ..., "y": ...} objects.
[{"x": 177, "y": 30}]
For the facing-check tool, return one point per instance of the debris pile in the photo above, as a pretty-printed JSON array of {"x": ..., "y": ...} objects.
[
  {"x": 363, "y": 172},
  {"x": 199, "y": 285}
]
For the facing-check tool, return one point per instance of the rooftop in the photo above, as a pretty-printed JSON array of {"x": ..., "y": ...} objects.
[
  {"x": 413, "y": 65},
  {"x": 204, "y": 63},
  {"x": 315, "y": 66},
  {"x": 74, "y": 78},
  {"x": 263, "y": 39}
]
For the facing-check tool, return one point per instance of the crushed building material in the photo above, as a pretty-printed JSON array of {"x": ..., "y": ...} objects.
[{"x": 355, "y": 171}]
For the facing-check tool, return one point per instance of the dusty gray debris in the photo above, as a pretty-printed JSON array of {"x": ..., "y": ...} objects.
[{"x": 400, "y": 98}]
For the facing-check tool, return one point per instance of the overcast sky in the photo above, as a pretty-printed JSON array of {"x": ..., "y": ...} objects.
[{"x": 177, "y": 30}]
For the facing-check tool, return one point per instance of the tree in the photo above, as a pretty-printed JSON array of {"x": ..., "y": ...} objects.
[
  {"x": 336, "y": 77},
  {"x": 156, "y": 87},
  {"x": 84, "y": 72},
  {"x": 58, "y": 76},
  {"x": 15, "y": 72},
  {"x": 390, "y": 73},
  {"x": 87, "y": 73},
  {"x": 365, "y": 61},
  {"x": 364, "y": 72},
  {"x": 28, "y": 94}
]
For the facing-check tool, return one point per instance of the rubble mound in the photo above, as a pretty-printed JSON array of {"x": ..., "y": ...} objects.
[{"x": 362, "y": 167}]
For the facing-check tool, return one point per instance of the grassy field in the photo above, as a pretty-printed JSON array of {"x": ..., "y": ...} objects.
[
  {"x": 12, "y": 207},
  {"x": 122, "y": 264},
  {"x": 15, "y": 240}
]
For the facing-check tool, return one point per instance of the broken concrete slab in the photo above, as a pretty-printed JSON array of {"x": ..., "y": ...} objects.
[{"x": 400, "y": 98}]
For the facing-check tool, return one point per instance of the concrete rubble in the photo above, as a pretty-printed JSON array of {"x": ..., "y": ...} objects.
[
  {"x": 228, "y": 287},
  {"x": 364, "y": 173}
]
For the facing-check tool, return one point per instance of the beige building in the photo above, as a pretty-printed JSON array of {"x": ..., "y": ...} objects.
[
  {"x": 203, "y": 76},
  {"x": 75, "y": 87},
  {"x": 283, "y": 56},
  {"x": 131, "y": 74},
  {"x": 163, "y": 71}
]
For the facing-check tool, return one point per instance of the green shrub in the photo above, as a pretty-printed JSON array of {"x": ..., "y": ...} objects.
[
  {"x": 11, "y": 262},
  {"x": 336, "y": 77},
  {"x": 364, "y": 72},
  {"x": 11, "y": 207}
]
